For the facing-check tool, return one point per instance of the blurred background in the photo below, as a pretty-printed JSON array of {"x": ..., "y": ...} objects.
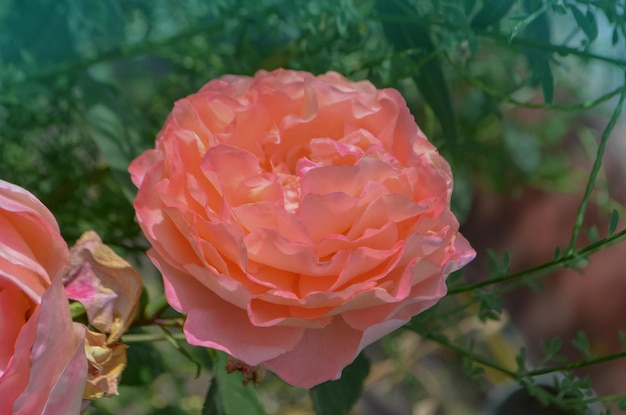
[{"x": 515, "y": 93}]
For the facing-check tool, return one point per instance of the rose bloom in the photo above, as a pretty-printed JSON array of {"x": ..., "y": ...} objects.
[
  {"x": 297, "y": 219},
  {"x": 42, "y": 355}
]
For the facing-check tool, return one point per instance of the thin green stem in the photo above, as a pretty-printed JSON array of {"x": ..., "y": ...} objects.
[
  {"x": 149, "y": 337},
  {"x": 538, "y": 44},
  {"x": 464, "y": 352},
  {"x": 596, "y": 168},
  {"x": 577, "y": 365},
  {"x": 557, "y": 263}
]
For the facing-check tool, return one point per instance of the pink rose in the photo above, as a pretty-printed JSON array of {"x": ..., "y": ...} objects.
[
  {"x": 297, "y": 219},
  {"x": 42, "y": 354}
]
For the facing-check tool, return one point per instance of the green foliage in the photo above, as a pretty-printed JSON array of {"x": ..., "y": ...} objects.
[
  {"x": 338, "y": 397},
  {"x": 227, "y": 394},
  {"x": 581, "y": 342},
  {"x": 144, "y": 364}
]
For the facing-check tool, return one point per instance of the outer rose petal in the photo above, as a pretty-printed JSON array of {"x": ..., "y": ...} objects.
[
  {"x": 58, "y": 368},
  {"x": 331, "y": 349},
  {"x": 297, "y": 218},
  {"x": 33, "y": 251},
  {"x": 42, "y": 358},
  {"x": 207, "y": 315}
]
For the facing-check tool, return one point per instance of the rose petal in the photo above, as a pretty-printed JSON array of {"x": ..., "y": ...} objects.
[
  {"x": 106, "y": 285},
  {"x": 62, "y": 360},
  {"x": 207, "y": 313},
  {"x": 332, "y": 348}
]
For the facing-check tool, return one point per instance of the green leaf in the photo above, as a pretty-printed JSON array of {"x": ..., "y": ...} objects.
[
  {"x": 227, "y": 395},
  {"x": 77, "y": 309},
  {"x": 613, "y": 222},
  {"x": 587, "y": 22},
  {"x": 581, "y": 342},
  {"x": 547, "y": 83},
  {"x": 145, "y": 363},
  {"x": 551, "y": 350},
  {"x": 557, "y": 253},
  {"x": 593, "y": 234},
  {"x": 520, "y": 359},
  {"x": 491, "y": 13},
  {"x": 622, "y": 339},
  {"x": 337, "y": 397},
  {"x": 578, "y": 262},
  {"x": 592, "y": 31}
]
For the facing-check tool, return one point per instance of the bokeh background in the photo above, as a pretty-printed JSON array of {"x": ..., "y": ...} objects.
[{"x": 515, "y": 93}]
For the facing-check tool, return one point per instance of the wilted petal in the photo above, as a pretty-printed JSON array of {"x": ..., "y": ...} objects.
[
  {"x": 106, "y": 363},
  {"x": 105, "y": 284}
]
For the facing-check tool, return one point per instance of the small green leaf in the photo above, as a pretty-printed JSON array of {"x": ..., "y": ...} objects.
[
  {"x": 557, "y": 253},
  {"x": 228, "y": 395},
  {"x": 493, "y": 263},
  {"x": 592, "y": 32},
  {"x": 472, "y": 371},
  {"x": 593, "y": 234},
  {"x": 587, "y": 22},
  {"x": 613, "y": 222},
  {"x": 547, "y": 84},
  {"x": 337, "y": 397},
  {"x": 622, "y": 339},
  {"x": 581, "y": 342},
  {"x": 76, "y": 309},
  {"x": 578, "y": 262},
  {"x": 506, "y": 262},
  {"x": 490, "y": 305},
  {"x": 551, "y": 350},
  {"x": 520, "y": 359}
]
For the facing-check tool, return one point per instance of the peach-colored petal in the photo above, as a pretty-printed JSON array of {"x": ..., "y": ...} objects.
[
  {"x": 320, "y": 355},
  {"x": 16, "y": 307},
  {"x": 58, "y": 367},
  {"x": 42, "y": 360},
  {"x": 206, "y": 317}
]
